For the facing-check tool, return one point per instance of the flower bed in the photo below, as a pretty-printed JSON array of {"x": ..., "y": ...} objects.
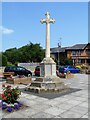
[
  {"x": 19, "y": 80},
  {"x": 9, "y": 98},
  {"x": 10, "y": 107}
]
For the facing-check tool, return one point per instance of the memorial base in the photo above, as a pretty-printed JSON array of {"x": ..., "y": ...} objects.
[
  {"x": 48, "y": 82},
  {"x": 48, "y": 67},
  {"x": 47, "y": 85}
]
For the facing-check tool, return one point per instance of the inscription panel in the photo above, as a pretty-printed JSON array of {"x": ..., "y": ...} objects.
[
  {"x": 47, "y": 70},
  {"x": 42, "y": 71},
  {"x": 53, "y": 69}
]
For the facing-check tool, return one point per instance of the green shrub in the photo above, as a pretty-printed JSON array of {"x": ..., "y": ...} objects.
[
  {"x": 83, "y": 66},
  {"x": 3, "y": 60},
  {"x": 10, "y": 64},
  {"x": 68, "y": 61}
]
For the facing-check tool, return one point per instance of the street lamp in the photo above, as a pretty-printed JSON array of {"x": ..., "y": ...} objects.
[{"x": 59, "y": 46}]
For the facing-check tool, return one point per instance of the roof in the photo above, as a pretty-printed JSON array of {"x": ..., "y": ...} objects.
[
  {"x": 63, "y": 49},
  {"x": 77, "y": 47},
  {"x": 58, "y": 49}
]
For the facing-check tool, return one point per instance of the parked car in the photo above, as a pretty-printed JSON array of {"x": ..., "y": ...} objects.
[
  {"x": 64, "y": 69},
  {"x": 37, "y": 71},
  {"x": 18, "y": 70}
]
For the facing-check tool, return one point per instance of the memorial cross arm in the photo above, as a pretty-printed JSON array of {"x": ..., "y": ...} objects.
[
  {"x": 52, "y": 21},
  {"x": 43, "y": 21},
  {"x": 47, "y": 21}
]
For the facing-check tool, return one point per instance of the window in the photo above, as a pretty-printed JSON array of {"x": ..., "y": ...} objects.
[
  {"x": 79, "y": 61},
  {"x": 20, "y": 68},
  {"x": 12, "y": 68},
  {"x": 88, "y": 52},
  {"x": 70, "y": 67},
  {"x": 73, "y": 52},
  {"x": 76, "y": 52},
  {"x": 79, "y": 52}
]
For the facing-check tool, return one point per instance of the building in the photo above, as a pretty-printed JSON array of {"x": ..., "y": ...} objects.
[
  {"x": 79, "y": 53},
  {"x": 58, "y": 54}
]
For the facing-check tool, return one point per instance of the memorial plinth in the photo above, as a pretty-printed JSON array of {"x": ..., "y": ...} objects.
[
  {"x": 47, "y": 85},
  {"x": 48, "y": 82},
  {"x": 48, "y": 67}
]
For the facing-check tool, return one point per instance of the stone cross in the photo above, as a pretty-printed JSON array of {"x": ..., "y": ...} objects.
[{"x": 47, "y": 20}]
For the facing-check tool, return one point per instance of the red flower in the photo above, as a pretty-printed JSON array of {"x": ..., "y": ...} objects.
[
  {"x": 8, "y": 94},
  {"x": 3, "y": 85},
  {"x": 2, "y": 95},
  {"x": 5, "y": 98},
  {"x": 10, "y": 91},
  {"x": 8, "y": 86}
]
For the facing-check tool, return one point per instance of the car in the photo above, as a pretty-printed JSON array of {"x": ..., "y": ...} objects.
[
  {"x": 18, "y": 70},
  {"x": 65, "y": 69},
  {"x": 37, "y": 71}
]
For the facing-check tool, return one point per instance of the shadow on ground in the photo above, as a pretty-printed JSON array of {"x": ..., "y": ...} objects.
[{"x": 51, "y": 95}]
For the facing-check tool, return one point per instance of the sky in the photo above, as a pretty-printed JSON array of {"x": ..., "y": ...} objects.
[{"x": 21, "y": 23}]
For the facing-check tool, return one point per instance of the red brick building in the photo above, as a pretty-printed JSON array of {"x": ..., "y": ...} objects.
[{"x": 79, "y": 53}]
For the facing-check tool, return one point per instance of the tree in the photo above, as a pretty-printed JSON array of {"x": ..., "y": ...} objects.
[
  {"x": 3, "y": 60},
  {"x": 28, "y": 53},
  {"x": 31, "y": 53},
  {"x": 0, "y": 59},
  {"x": 68, "y": 61},
  {"x": 12, "y": 55}
]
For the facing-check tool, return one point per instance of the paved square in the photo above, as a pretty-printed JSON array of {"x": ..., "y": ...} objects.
[{"x": 73, "y": 105}]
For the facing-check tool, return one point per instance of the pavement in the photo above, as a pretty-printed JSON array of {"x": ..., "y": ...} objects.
[{"x": 72, "y": 105}]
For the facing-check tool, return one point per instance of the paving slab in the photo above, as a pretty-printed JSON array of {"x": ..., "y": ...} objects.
[
  {"x": 30, "y": 96},
  {"x": 60, "y": 99},
  {"x": 80, "y": 98},
  {"x": 71, "y": 114},
  {"x": 14, "y": 115},
  {"x": 55, "y": 102},
  {"x": 54, "y": 111},
  {"x": 28, "y": 112},
  {"x": 84, "y": 104},
  {"x": 42, "y": 115},
  {"x": 85, "y": 116},
  {"x": 73, "y": 102},
  {"x": 40, "y": 107},
  {"x": 65, "y": 106},
  {"x": 79, "y": 109}
]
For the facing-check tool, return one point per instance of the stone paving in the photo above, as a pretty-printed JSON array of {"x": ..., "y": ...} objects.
[{"x": 73, "y": 105}]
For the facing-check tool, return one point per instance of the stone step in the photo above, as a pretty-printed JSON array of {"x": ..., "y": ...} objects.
[
  {"x": 42, "y": 90},
  {"x": 47, "y": 84},
  {"x": 48, "y": 79}
]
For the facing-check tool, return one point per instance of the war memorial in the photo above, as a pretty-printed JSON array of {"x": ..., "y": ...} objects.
[{"x": 48, "y": 81}]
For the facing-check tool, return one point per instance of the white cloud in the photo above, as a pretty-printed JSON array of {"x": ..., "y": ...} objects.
[{"x": 4, "y": 30}]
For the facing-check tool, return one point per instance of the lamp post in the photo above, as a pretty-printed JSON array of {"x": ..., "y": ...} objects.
[{"x": 59, "y": 46}]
